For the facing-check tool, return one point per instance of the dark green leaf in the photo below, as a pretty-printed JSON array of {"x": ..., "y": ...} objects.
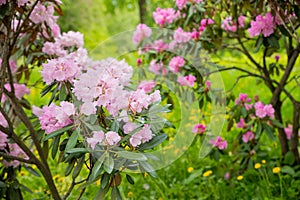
[
  {"x": 155, "y": 141},
  {"x": 72, "y": 140},
  {"x": 146, "y": 167},
  {"x": 78, "y": 150},
  {"x": 97, "y": 167},
  {"x": 273, "y": 41},
  {"x": 62, "y": 93},
  {"x": 109, "y": 164},
  {"x": 78, "y": 167},
  {"x": 115, "y": 194},
  {"x": 130, "y": 179},
  {"x": 47, "y": 89},
  {"x": 289, "y": 158},
  {"x": 284, "y": 31},
  {"x": 105, "y": 180},
  {"x": 132, "y": 155},
  {"x": 101, "y": 194},
  {"x": 258, "y": 130},
  {"x": 32, "y": 171},
  {"x": 269, "y": 131},
  {"x": 69, "y": 168},
  {"x": 55, "y": 145},
  {"x": 58, "y": 132},
  {"x": 258, "y": 44},
  {"x": 2, "y": 184},
  {"x": 288, "y": 170},
  {"x": 115, "y": 126},
  {"x": 277, "y": 123}
]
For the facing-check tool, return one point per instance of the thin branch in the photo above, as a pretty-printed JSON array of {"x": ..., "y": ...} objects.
[{"x": 23, "y": 160}]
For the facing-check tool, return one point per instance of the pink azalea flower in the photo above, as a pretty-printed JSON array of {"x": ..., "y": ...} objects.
[
  {"x": 243, "y": 98},
  {"x": 3, "y": 136},
  {"x": 155, "y": 67},
  {"x": 262, "y": 24},
  {"x": 180, "y": 36},
  {"x": 175, "y": 63},
  {"x": 219, "y": 142},
  {"x": 248, "y": 136},
  {"x": 241, "y": 123},
  {"x": 98, "y": 137},
  {"x": 180, "y": 4},
  {"x": 112, "y": 138},
  {"x": 165, "y": 16},
  {"x": 20, "y": 90},
  {"x": 199, "y": 129},
  {"x": 188, "y": 80},
  {"x": 144, "y": 135},
  {"x": 146, "y": 85},
  {"x": 288, "y": 131},
  {"x": 142, "y": 31}
]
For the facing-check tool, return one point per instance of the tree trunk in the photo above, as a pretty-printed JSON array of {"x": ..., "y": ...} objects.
[{"x": 142, "y": 10}]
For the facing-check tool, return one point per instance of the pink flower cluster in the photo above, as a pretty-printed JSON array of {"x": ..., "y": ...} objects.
[
  {"x": 165, "y": 16},
  {"x": 140, "y": 137},
  {"x": 262, "y": 110},
  {"x": 99, "y": 137},
  {"x": 9, "y": 148},
  {"x": 188, "y": 80},
  {"x": 241, "y": 124},
  {"x": 139, "y": 100},
  {"x": 45, "y": 14},
  {"x": 176, "y": 63},
  {"x": 20, "y": 90},
  {"x": 242, "y": 99},
  {"x": 204, "y": 23},
  {"x": 142, "y": 31},
  {"x": 229, "y": 25},
  {"x": 155, "y": 66},
  {"x": 180, "y": 36},
  {"x": 263, "y": 24},
  {"x": 146, "y": 86},
  {"x": 289, "y": 132},
  {"x": 60, "y": 69},
  {"x": 219, "y": 142},
  {"x": 199, "y": 129},
  {"x": 62, "y": 42},
  {"x": 55, "y": 117},
  {"x": 248, "y": 136}
]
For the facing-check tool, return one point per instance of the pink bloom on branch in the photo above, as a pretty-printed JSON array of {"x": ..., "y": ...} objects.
[
  {"x": 60, "y": 69},
  {"x": 112, "y": 138},
  {"x": 262, "y": 24},
  {"x": 199, "y": 129},
  {"x": 144, "y": 135},
  {"x": 98, "y": 137},
  {"x": 241, "y": 123},
  {"x": 243, "y": 98},
  {"x": 188, "y": 80},
  {"x": 262, "y": 110},
  {"x": 159, "y": 45},
  {"x": 146, "y": 85},
  {"x": 248, "y": 136},
  {"x": 180, "y": 36},
  {"x": 165, "y": 16},
  {"x": 288, "y": 131},
  {"x": 175, "y": 63},
  {"x": 180, "y": 4},
  {"x": 20, "y": 90},
  {"x": 142, "y": 31},
  {"x": 219, "y": 142},
  {"x": 155, "y": 67}
]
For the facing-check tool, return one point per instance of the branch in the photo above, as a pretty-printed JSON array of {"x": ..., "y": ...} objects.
[{"x": 29, "y": 161}]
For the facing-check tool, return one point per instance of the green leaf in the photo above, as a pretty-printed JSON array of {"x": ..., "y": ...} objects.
[
  {"x": 195, "y": 174},
  {"x": 289, "y": 158},
  {"x": 2, "y": 184},
  {"x": 277, "y": 123},
  {"x": 269, "y": 131},
  {"x": 284, "y": 31},
  {"x": 72, "y": 140},
  {"x": 97, "y": 167},
  {"x": 69, "y": 168},
  {"x": 288, "y": 170},
  {"x": 273, "y": 41},
  {"x": 78, "y": 167},
  {"x": 58, "y": 132},
  {"x": 78, "y": 150},
  {"x": 258, "y": 44},
  {"x": 244, "y": 112},
  {"x": 258, "y": 130},
  {"x": 109, "y": 164},
  {"x": 47, "y": 89},
  {"x": 155, "y": 141},
  {"x": 101, "y": 194},
  {"x": 146, "y": 167},
  {"x": 32, "y": 171},
  {"x": 129, "y": 179},
  {"x": 55, "y": 145},
  {"x": 62, "y": 93},
  {"x": 115, "y": 126},
  {"x": 132, "y": 155},
  {"x": 105, "y": 180},
  {"x": 115, "y": 194}
]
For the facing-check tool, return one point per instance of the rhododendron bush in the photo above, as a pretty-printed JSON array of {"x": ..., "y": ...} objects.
[{"x": 100, "y": 120}]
